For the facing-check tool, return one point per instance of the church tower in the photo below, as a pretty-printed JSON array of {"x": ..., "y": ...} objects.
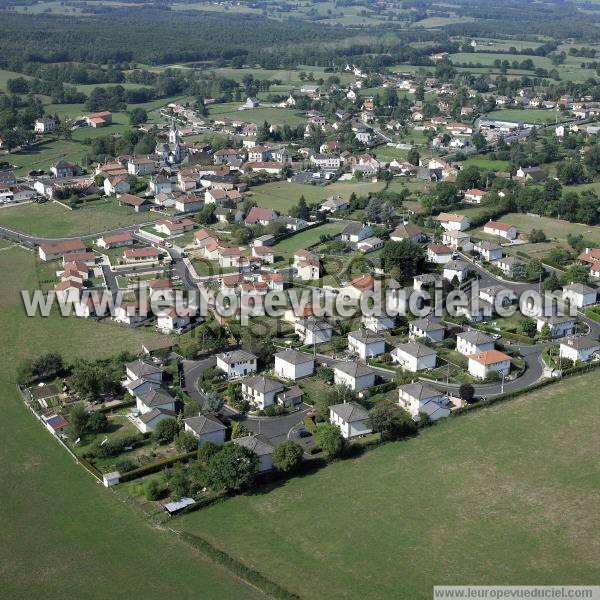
[{"x": 173, "y": 134}]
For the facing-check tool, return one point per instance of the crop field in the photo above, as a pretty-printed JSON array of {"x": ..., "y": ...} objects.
[
  {"x": 89, "y": 535},
  {"x": 53, "y": 220},
  {"x": 490, "y": 498}
]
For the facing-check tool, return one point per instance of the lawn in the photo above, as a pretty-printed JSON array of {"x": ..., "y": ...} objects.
[
  {"x": 277, "y": 116},
  {"x": 527, "y": 115},
  {"x": 553, "y": 228},
  {"x": 281, "y": 195},
  {"x": 46, "y": 153},
  {"x": 61, "y": 529},
  {"x": 285, "y": 249},
  {"x": 53, "y": 220},
  {"x": 497, "y": 497},
  {"x": 487, "y": 164}
]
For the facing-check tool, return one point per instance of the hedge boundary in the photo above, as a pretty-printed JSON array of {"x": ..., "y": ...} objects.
[{"x": 251, "y": 576}]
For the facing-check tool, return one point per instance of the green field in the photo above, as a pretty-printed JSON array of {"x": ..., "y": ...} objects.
[
  {"x": 487, "y": 164},
  {"x": 63, "y": 534},
  {"x": 285, "y": 249},
  {"x": 500, "y": 496},
  {"x": 276, "y": 116},
  {"x": 53, "y": 220},
  {"x": 553, "y": 228},
  {"x": 281, "y": 195},
  {"x": 6, "y": 75},
  {"x": 46, "y": 153},
  {"x": 528, "y": 115}
]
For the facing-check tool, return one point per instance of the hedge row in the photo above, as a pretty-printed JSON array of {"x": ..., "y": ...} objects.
[
  {"x": 241, "y": 570},
  {"x": 156, "y": 466}
]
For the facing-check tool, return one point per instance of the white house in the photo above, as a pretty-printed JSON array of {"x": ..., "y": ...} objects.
[
  {"x": 366, "y": 343},
  {"x": 456, "y": 268},
  {"x": 560, "y": 326},
  {"x": 291, "y": 364},
  {"x": 499, "y": 229},
  {"x": 378, "y": 323},
  {"x": 236, "y": 363},
  {"x": 474, "y": 196},
  {"x": 483, "y": 364},
  {"x": 454, "y": 222},
  {"x": 261, "y": 447},
  {"x": 206, "y": 428},
  {"x": 313, "y": 331},
  {"x": 351, "y": 418},
  {"x": 406, "y": 231},
  {"x": 579, "y": 295},
  {"x": 139, "y": 369},
  {"x": 173, "y": 319},
  {"x": 426, "y": 328},
  {"x": 148, "y": 421},
  {"x": 455, "y": 239},
  {"x": 439, "y": 254},
  {"x": 419, "y": 398},
  {"x": 414, "y": 357},
  {"x": 473, "y": 342},
  {"x": 488, "y": 250},
  {"x": 581, "y": 349},
  {"x": 261, "y": 391},
  {"x": 355, "y": 232},
  {"x": 355, "y": 375},
  {"x": 509, "y": 264},
  {"x": 157, "y": 398}
]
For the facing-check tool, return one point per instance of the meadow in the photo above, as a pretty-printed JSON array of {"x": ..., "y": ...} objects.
[
  {"x": 495, "y": 497},
  {"x": 62, "y": 532},
  {"x": 285, "y": 249},
  {"x": 274, "y": 116},
  {"x": 53, "y": 220},
  {"x": 527, "y": 115}
]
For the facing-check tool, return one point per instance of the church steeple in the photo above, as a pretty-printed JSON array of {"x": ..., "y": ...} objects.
[{"x": 173, "y": 133}]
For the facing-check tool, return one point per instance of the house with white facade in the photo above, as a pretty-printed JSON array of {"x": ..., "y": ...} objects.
[
  {"x": 206, "y": 428},
  {"x": 488, "y": 250},
  {"x": 313, "y": 331},
  {"x": 356, "y": 376},
  {"x": 579, "y": 295},
  {"x": 236, "y": 363},
  {"x": 355, "y": 232},
  {"x": 419, "y": 398},
  {"x": 560, "y": 326},
  {"x": 378, "y": 323},
  {"x": 291, "y": 364},
  {"x": 426, "y": 328},
  {"x": 450, "y": 221},
  {"x": 439, "y": 253},
  {"x": 458, "y": 269},
  {"x": 366, "y": 343},
  {"x": 473, "y": 342},
  {"x": 582, "y": 349},
  {"x": 414, "y": 356},
  {"x": 261, "y": 447},
  {"x": 260, "y": 391},
  {"x": 484, "y": 364},
  {"x": 351, "y": 418},
  {"x": 499, "y": 229}
]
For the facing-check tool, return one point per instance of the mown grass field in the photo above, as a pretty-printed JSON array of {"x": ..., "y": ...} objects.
[
  {"x": 285, "y": 249},
  {"x": 45, "y": 154},
  {"x": 281, "y": 195},
  {"x": 486, "y": 164},
  {"x": 527, "y": 115},
  {"x": 63, "y": 534},
  {"x": 274, "y": 116},
  {"x": 553, "y": 228},
  {"x": 501, "y": 496},
  {"x": 53, "y": 220}
]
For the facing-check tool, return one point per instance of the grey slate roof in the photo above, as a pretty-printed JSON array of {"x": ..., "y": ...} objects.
[
  {"x": 236, "y": 356},
  {"x": 427, "y": 324},
  {"x": 147, "y": 417},
  {"x": 579, "y": 288},
  {"x": 155, "y": 398},
  {"x": 204, "y": 424},
  {"x": 581, "y": 343},
  {"x": 354, "y": 369},
  {"x": 366, "y": 336},
  {"x": 350, "y": 411},
  {"x": 475, "y": 337},
  {"x": 294, "y": 357},
  {"x": 142, "y": 369},
  {"x": 420, "y": 391},
  {"x": 262, "y": 384},
  {"x": 256, "y": 443},
  {"x": 416, "y": 349}
]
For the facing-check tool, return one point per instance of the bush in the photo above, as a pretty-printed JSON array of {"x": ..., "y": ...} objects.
[
  {"x": 125, "y": 465},
  {"x": 185, "y": 441},
  {"x": 287, "y": 456},
  {"x": 97, "y": 422},
  {"x": 165, "y": 431},
  {"x": 154, "y": 490}
]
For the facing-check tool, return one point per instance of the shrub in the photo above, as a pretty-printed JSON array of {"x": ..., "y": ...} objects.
[
  {"x": 125, "y": 465},
  {"x": 154, "y": 490},
  {"x": 165, "y": 431},
  {"x": 287, "y": 456}
]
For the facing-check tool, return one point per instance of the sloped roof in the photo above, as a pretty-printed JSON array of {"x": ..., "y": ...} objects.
[
  {"x": 350, "y": 412},
  {"x": 204, "y": 424}
]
